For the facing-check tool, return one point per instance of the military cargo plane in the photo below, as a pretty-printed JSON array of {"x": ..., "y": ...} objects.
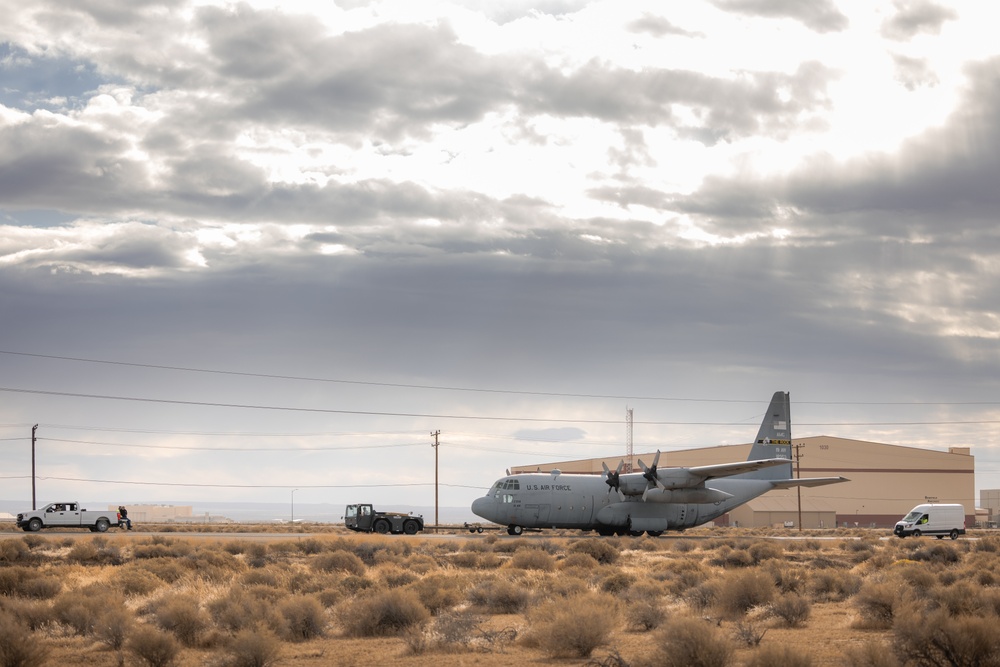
[{"x": 651, "y": 501}]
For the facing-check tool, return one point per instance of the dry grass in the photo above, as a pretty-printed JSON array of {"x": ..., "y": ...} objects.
[{"x": 712, "y": 597}]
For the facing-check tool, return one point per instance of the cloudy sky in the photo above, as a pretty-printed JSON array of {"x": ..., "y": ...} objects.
[{"x": 253, "y": 247}]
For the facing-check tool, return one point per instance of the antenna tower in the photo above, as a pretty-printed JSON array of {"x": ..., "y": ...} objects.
[{"x": 629, "y": 453}]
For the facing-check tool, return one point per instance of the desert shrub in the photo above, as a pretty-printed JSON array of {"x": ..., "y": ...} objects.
[
  {"x": 438, "y": 592},
  {"x": 19, "y": 647},
  {"x": 213, "y": 557},
  {"x": 20, "y": 581},
  {"x": 309, "y": 546},
  {"x": 578, "y": 560},
  {"x": 833, "y": 585},
  {"x": 704, "y": 595},
  {"x": 748, "y": 633},
  {"x": 383, "y": 614},
  {"x": 112, "y": 627},
  {"x": 476, "y": 546},
  {"x": 94, "y": 552},
  {"x": 869, "y": 654},
  {"x": 182, "y": 615},
  {"x": 166, "y": 569},
  {"x": 726, "y": 556},
  {"x": 239, "y": 610},
  {"x": 342, "y": 561},
  {"x": 937, "y": 639},
  {"x": 742, "y": 590},
  {"x": 420, "y": 563},
  {"x": 765, "y": 550},
  {"x": 135, "y": 581},
  {"x": 32, "y": 613},
  {"x": 500, "y": 596},
  {"x": 394, "y": 576},
  {"x": 603, "y": 551},
  {"x": 352, "y": 584},
  {"x": 260, "y": 577},
  {"x": 685, "y": 641},
  {"x": 792, "y": 609},
  {"x": 465, "y": 559},
  {"x": 257, "y": 554},
  {"x": 573, "y": 628},
  {"x": 778, "y": 655},
  {"x": 34, "y": 541},
  {"x": 532, "y": 559},
  {"x": 253, "y": 648},
  {"x": 13, "y": 551},
  {"x": 81, "y": 609},
  {"x": 644, "y": 614},
  {"x": 161, "y": 547},
  {"x": 787, "y": 579},
  {"x": 962, "y": 598},
  {"x": 303, "y": 618},
  {"x": 683, "y": 546},
  {"x": 617, "y": 583},
  {"x": 877, "y": 603},
  {"x": 153, "y": 647},
  {"x": 937, "y": 553}
]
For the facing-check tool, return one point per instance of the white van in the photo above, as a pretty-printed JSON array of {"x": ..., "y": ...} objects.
[{"x": 938, "y": 519}]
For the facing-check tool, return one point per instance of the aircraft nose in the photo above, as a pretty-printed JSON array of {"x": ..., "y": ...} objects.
[{"x": 482, "y": 506}]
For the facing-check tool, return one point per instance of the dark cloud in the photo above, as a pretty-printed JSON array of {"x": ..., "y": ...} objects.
[
  {"x": 819, "y": 15},
  {"x": 657, "y": 26},
  {"x": 914, "y": 17}
]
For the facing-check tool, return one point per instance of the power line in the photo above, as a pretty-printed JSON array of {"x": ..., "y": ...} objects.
[
  {"x": 371, "y": 413},
  {"x": 398, "y": 385},
  {"x": 289, "y": 450},
  {"x": 251, "y": 486}
]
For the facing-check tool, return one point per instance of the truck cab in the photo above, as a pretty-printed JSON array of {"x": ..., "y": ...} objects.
[{"x": 359, "y": 517}]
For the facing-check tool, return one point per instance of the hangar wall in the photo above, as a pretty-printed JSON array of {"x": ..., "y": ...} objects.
[{"x": 886, "y": 481}]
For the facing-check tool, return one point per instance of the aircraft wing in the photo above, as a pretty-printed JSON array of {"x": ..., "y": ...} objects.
[
  {"x": 808, "y": 481},
  {"x": 730, "y": 469}
]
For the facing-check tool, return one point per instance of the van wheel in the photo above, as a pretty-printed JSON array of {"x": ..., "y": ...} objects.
[
  {"x": 916, "y": 533},
  {"x": 953, "y": 534}
]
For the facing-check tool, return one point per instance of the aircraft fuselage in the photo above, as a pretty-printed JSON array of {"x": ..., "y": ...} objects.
[{"x": 585, "y": 502}]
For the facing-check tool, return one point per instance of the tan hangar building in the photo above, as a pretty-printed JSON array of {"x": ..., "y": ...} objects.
[{"x": 886, "y": 481}]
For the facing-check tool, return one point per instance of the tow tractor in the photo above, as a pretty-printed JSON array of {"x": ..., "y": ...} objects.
[{"x": 364, "y": 519}]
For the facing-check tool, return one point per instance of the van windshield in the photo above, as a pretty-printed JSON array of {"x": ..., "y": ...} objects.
[{"x": 912, "y": 516}]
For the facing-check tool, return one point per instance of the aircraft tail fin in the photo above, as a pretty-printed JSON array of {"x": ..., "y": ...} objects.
[{"x": 774, "y": 439}]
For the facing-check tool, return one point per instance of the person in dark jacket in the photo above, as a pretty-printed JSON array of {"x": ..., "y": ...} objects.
[{"x": 123, "y": 517}]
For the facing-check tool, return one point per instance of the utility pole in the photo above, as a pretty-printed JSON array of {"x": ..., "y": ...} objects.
[
  {"x": 435, "y": 434},
  {"x": 33, "y": 429},
  {"x": 798, "y": 475}
]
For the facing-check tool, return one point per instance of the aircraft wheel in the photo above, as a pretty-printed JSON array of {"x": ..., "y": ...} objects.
[
  {"x": 514, "y": 530},
  {"x": 635, "y": 533},
  {"x": 654, "y": 533}
]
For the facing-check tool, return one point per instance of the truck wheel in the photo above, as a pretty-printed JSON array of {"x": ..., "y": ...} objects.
[
  {"x": 102, "y": 525},
  {"x": 382, "y": 527},
  {"x": 35, "y": 525},
  {"x": 410, "y": 527},
  {"x": 953, "y": 534}
]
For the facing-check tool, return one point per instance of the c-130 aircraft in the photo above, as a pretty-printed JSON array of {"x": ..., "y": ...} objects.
[{"x": 654, "y": 500}]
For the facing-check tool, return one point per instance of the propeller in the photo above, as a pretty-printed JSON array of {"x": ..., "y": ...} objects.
[
  {"x": 613, "y": 479},
  {"x": 650, "y": 474}
]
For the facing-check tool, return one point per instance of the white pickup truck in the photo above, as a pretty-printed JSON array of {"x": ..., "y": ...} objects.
[{"x": 67, "y": 515}]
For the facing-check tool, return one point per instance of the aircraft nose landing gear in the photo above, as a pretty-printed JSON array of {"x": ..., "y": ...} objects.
[{"x": 514, "y": 530}]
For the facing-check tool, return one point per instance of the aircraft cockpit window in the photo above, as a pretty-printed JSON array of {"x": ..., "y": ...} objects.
[
  {"x": 517, "y": 485},
  {"x": 507, "y": 498}
]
